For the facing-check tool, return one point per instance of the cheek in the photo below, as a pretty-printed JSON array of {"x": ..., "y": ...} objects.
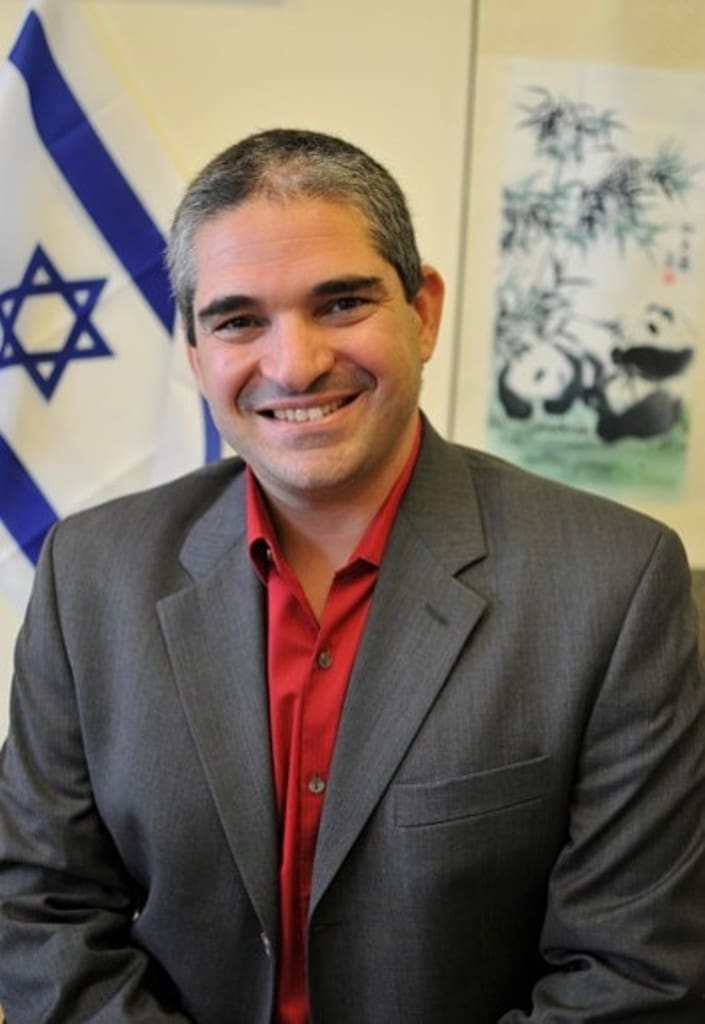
[
  {"x": 389, "y": 351},
  {"x": 223, "y": 374}
]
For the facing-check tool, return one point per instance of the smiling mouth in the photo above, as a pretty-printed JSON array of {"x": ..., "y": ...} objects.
[{"x": 309, "y": 415}]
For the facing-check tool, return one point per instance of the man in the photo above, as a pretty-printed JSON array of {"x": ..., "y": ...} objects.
[{"x": 361, "y": 727}]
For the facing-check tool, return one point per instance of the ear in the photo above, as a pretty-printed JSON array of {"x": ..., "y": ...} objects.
[{"x": 428, "y": 305}]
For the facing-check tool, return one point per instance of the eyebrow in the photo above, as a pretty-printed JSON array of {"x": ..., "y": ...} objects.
[
  {"x": 224, "y": 304},
  {"x": 326, "y": 289},
  {"x": 341, "y": 285}
]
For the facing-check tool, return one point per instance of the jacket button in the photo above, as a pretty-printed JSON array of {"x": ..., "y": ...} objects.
[{"x": 266, "y": 944}]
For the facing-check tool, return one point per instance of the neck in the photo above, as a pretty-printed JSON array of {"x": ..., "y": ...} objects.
[
  {"x": 317, "y": 541},
  {"x": 321, "y": 532},
  {"x": 318, "y": 534}
]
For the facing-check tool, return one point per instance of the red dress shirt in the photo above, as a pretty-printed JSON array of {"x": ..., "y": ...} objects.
[{"x": 308, "y": 667}]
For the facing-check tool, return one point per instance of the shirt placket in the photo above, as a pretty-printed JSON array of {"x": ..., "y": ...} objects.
[{"x": 318, "y": 707}]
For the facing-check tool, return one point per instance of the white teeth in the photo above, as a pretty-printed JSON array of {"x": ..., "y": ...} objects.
[{"x": 317, "y": 412}]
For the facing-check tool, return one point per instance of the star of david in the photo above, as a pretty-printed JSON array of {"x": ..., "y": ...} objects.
[{"x": 83, "y": 341}]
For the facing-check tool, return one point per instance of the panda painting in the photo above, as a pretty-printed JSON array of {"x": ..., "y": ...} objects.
[{"x": 628, "y": 374}]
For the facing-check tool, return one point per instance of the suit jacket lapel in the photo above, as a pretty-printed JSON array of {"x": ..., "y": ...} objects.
[
  {"x": 420, "y": 618},
  {"x": 214, "y": 635}
]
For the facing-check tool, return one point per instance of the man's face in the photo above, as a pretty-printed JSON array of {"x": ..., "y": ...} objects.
[{"x": 307, "y": 351}]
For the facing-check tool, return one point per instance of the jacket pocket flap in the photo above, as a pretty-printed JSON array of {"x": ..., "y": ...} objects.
[{"x": 471, "y": 795}]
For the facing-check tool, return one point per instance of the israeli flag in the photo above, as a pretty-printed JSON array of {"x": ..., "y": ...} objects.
[{"x": 95, "y": 395}]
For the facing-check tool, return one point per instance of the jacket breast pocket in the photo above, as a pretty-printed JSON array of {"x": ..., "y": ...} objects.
[{"x": 471, "y": 796}]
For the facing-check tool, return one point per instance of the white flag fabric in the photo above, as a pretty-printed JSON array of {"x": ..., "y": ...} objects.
[{"x": 95, "y": 398}]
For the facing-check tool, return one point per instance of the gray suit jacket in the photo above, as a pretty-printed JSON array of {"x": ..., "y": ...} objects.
[{"x": 514, "y": 826}]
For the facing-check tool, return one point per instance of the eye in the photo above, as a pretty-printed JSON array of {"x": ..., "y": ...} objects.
[
  {"x": 238, "y": 326},
  {"x": 345, "y": 306}
]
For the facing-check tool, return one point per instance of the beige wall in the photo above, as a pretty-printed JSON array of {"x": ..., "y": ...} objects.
[{"x": 651, "y": 33}]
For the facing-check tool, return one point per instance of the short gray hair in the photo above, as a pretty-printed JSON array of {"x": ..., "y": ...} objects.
[{"x": 286, "y": 164}]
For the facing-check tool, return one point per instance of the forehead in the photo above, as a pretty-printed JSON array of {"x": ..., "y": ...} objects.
[{"x": 264, "y": 231}]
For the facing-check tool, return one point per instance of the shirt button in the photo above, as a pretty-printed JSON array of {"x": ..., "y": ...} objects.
[
  {"x": 316, "y": 784},
  {"x": 324, "y": 659}
]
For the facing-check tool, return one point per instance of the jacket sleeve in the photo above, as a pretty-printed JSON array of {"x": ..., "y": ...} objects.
[
  {"x": 624, "y": 931},
  {"x": 66, "y": 901}
]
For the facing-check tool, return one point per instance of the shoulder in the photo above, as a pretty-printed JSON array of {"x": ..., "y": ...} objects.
[
  {"x": 506, "y": 482},
  {"x": 523, "y": 511},
  {"x": 588, "y": 558},
  {"x": 147, "y": 521}
]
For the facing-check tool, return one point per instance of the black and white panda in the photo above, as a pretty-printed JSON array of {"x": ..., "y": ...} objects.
[{"x": 628, "y": 374}]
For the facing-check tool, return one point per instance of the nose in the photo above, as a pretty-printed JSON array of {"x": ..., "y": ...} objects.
[{"x": 298, "y": 353}]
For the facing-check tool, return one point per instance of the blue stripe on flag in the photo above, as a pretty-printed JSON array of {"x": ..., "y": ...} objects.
[
  {"x": 24, "y": 510},
  {"x": 90, "y": 171},
  {"x": 212, "y": 436}
]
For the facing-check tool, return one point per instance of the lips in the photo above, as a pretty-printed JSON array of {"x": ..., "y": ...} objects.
[{"x": 325, "y": 397}]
